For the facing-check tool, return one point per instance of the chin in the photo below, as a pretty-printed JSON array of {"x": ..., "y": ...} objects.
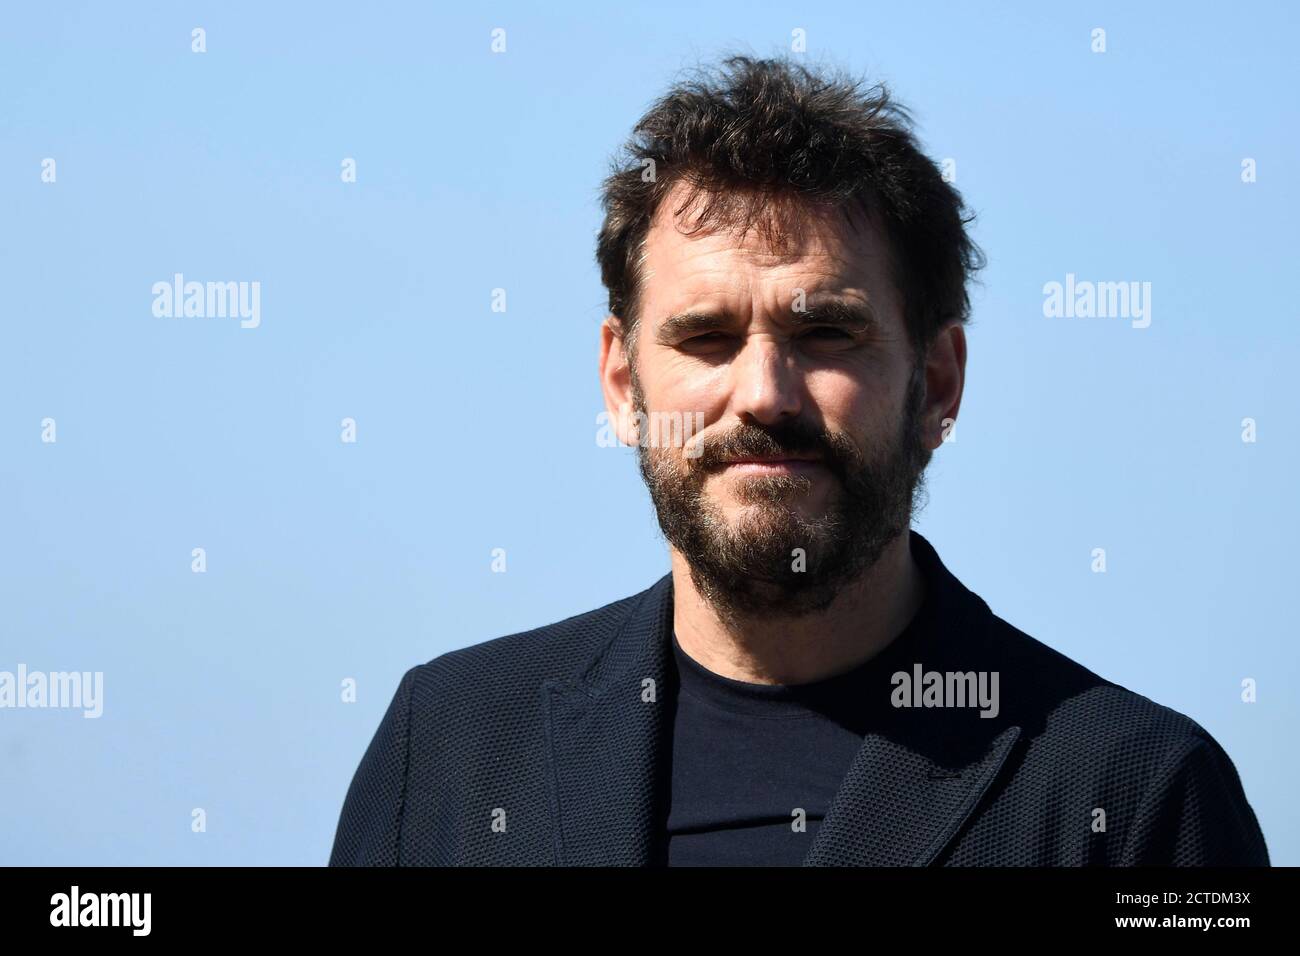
[{"x": 808, "y": 507}]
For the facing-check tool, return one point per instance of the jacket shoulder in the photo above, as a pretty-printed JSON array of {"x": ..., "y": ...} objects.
[
  {"x": 1173, "y": 788},
  {"x": 1071, "y": 697},
  {"x": 486, "y": 693},
  {"x": 550, "y": 650}
]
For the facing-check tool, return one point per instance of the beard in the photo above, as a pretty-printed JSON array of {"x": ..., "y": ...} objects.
[{"x": 774, "y": 561}]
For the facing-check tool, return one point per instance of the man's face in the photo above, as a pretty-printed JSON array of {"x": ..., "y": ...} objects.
[{"x": 797, "y": 361}]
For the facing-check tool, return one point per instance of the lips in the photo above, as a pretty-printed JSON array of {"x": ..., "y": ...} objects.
[
  {"x": 772, "y": 461},
  {"x": 772, "y": 466}
]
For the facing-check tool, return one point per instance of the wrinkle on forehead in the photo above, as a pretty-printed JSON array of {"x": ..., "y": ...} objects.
[
  {"x": 776, "y": 226},
  {"x": 770, "y": 231}
]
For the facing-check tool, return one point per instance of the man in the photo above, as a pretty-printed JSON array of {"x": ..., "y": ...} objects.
[{"x": 809, "y": 685}]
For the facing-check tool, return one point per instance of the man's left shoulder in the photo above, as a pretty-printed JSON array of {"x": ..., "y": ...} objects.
[
  {"x": 1043, "y": 687},
  {"x": 1168, "y": 786}
]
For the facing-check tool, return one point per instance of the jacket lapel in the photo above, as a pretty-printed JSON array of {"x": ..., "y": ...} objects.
[
  {"x": 900, "y": 805},
  {"x": 610, "y": 732},
  {"x": 918, "y": 778},
  {"x": 915, "y": 781}
]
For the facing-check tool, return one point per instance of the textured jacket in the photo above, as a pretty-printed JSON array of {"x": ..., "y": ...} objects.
[{"x": 551, "y": 747}]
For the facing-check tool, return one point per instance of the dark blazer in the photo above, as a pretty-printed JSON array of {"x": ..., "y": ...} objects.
[{"x": 545, "y": 748}]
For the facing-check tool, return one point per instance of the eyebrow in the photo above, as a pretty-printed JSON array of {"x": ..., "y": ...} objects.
[{"x": 849, "y": 316}]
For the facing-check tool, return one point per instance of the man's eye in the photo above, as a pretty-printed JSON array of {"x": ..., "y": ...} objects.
[
  {"x": 828, "y": 332},
  {"x": 711, "y": 338}
]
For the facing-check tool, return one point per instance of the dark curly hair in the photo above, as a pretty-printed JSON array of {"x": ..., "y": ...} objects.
[{"x": 767, "y": 137}]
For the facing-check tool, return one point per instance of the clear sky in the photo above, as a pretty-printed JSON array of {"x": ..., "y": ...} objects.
[{"x": 328, "y": 560}]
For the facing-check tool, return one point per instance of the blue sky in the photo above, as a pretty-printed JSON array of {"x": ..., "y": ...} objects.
[{"x": 476, "y": 429}]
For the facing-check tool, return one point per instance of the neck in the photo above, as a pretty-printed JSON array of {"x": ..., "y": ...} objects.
[{"x": 861, "y": 622}]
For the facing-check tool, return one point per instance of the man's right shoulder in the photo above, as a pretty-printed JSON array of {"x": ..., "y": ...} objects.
[
  {"x": 470, "y": 720},
  {"x": 516, "y": 665}
]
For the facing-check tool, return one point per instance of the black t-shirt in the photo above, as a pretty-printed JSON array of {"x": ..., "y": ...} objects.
[{"x": 756, "y": 766}]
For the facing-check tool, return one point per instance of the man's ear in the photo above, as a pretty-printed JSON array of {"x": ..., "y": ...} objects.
[
  {"x": 945, "y": 380},
  {"x": 616, "y": 380}
]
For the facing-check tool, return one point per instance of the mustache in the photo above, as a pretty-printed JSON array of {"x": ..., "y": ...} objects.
[{"x": 797, "y": 437}]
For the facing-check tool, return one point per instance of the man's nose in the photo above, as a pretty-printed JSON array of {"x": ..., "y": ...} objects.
[{"x": 766, "y": 383}]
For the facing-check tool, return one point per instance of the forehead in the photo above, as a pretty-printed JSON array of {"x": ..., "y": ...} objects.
[{"x": 787, "y": 245}]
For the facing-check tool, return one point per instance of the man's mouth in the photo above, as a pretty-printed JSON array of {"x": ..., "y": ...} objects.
[{"x": 786, "y": 465}]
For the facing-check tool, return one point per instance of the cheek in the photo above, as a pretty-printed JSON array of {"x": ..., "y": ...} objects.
[
  {"x": 865, "y": 410},
  {"x": 847, "y": 401},
  {"x": 683, "y": 388}
]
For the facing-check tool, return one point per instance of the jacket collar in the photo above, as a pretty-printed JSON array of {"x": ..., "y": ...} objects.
[{"x": 914, "y": 782}]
